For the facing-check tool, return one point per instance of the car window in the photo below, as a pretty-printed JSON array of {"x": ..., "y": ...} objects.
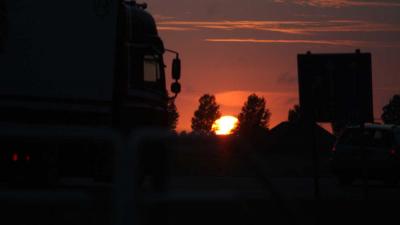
[
  {"x": 382, "y": 139},
  {"x": 368, "y": 137},
  {"x": 354, "y": 136}
]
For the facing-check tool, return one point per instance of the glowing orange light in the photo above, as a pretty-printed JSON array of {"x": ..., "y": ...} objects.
[{"x": 225, "y": 125}]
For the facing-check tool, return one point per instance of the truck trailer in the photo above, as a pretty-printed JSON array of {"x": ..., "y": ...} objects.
[{"x": 82, "y": 65}]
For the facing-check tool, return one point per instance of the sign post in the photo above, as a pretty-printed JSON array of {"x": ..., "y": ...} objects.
[{"x": 335, "y": 88}]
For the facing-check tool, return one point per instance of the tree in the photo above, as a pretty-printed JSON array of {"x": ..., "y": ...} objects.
[
  {"x": 294, "y": 114},
  {"x": 206, "y": 114},
  {"x": 391, "y": 111},
  {"x": 254, "y": 115},
  {"x": 173, "y": 114}
]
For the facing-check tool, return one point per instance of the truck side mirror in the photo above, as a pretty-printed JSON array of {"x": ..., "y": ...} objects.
[
  {"x": 176, "y": 88},
  {"x": 176, "y": 68}
]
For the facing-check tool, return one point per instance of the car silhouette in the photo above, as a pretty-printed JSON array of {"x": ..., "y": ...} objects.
[{"x": 372, "y": 152}]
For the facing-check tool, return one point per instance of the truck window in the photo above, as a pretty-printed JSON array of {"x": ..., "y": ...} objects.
[{"x": 151, "y": 68}]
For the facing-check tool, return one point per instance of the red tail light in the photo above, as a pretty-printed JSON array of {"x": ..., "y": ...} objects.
[
  {"x": 393, "y": 151},
  {"x": 28, "y": 158},
  {"x": 15, "y": 157}
]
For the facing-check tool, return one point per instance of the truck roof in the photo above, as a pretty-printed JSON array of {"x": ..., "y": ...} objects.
[{"x": 68, "y": 53}]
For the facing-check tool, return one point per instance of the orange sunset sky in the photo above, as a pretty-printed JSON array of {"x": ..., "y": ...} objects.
[{"x": 233, "y": 48}]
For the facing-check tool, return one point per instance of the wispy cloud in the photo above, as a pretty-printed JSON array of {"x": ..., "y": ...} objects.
[
  {"x": 341, "y": 3},
  {"x": 238, "y": 97},
  {"x": 347, "y": 43},
  {"x": 288, "y": 27},
  {"x": 388, "y": 89},
  {"x": 171, "y": 28},
  {"x": 162, "y": 17},
  {"x": 286, "y": 78}
]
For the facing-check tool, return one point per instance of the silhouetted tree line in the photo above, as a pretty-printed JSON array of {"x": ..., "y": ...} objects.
[
  {"x": 391, "y": 111},
  {"x": 173, "y": 114},
  {"x": 294, "y": 115},
  {"x": 253, "y": 117},
  {"x": 205, "y": 115}
]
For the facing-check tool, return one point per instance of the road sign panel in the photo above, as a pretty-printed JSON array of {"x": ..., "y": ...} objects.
[{"x": 336, "y": 87}]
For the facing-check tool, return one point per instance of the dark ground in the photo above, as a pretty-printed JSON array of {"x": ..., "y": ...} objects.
[
  {"x": 269, "y": 188},
  {"x": 217, "y": 181}
]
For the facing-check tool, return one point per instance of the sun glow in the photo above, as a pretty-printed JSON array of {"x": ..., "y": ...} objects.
[{"x": 225, "y": 125}]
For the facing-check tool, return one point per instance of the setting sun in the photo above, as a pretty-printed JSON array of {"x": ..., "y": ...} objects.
[{"x": 225, "y": 125}]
